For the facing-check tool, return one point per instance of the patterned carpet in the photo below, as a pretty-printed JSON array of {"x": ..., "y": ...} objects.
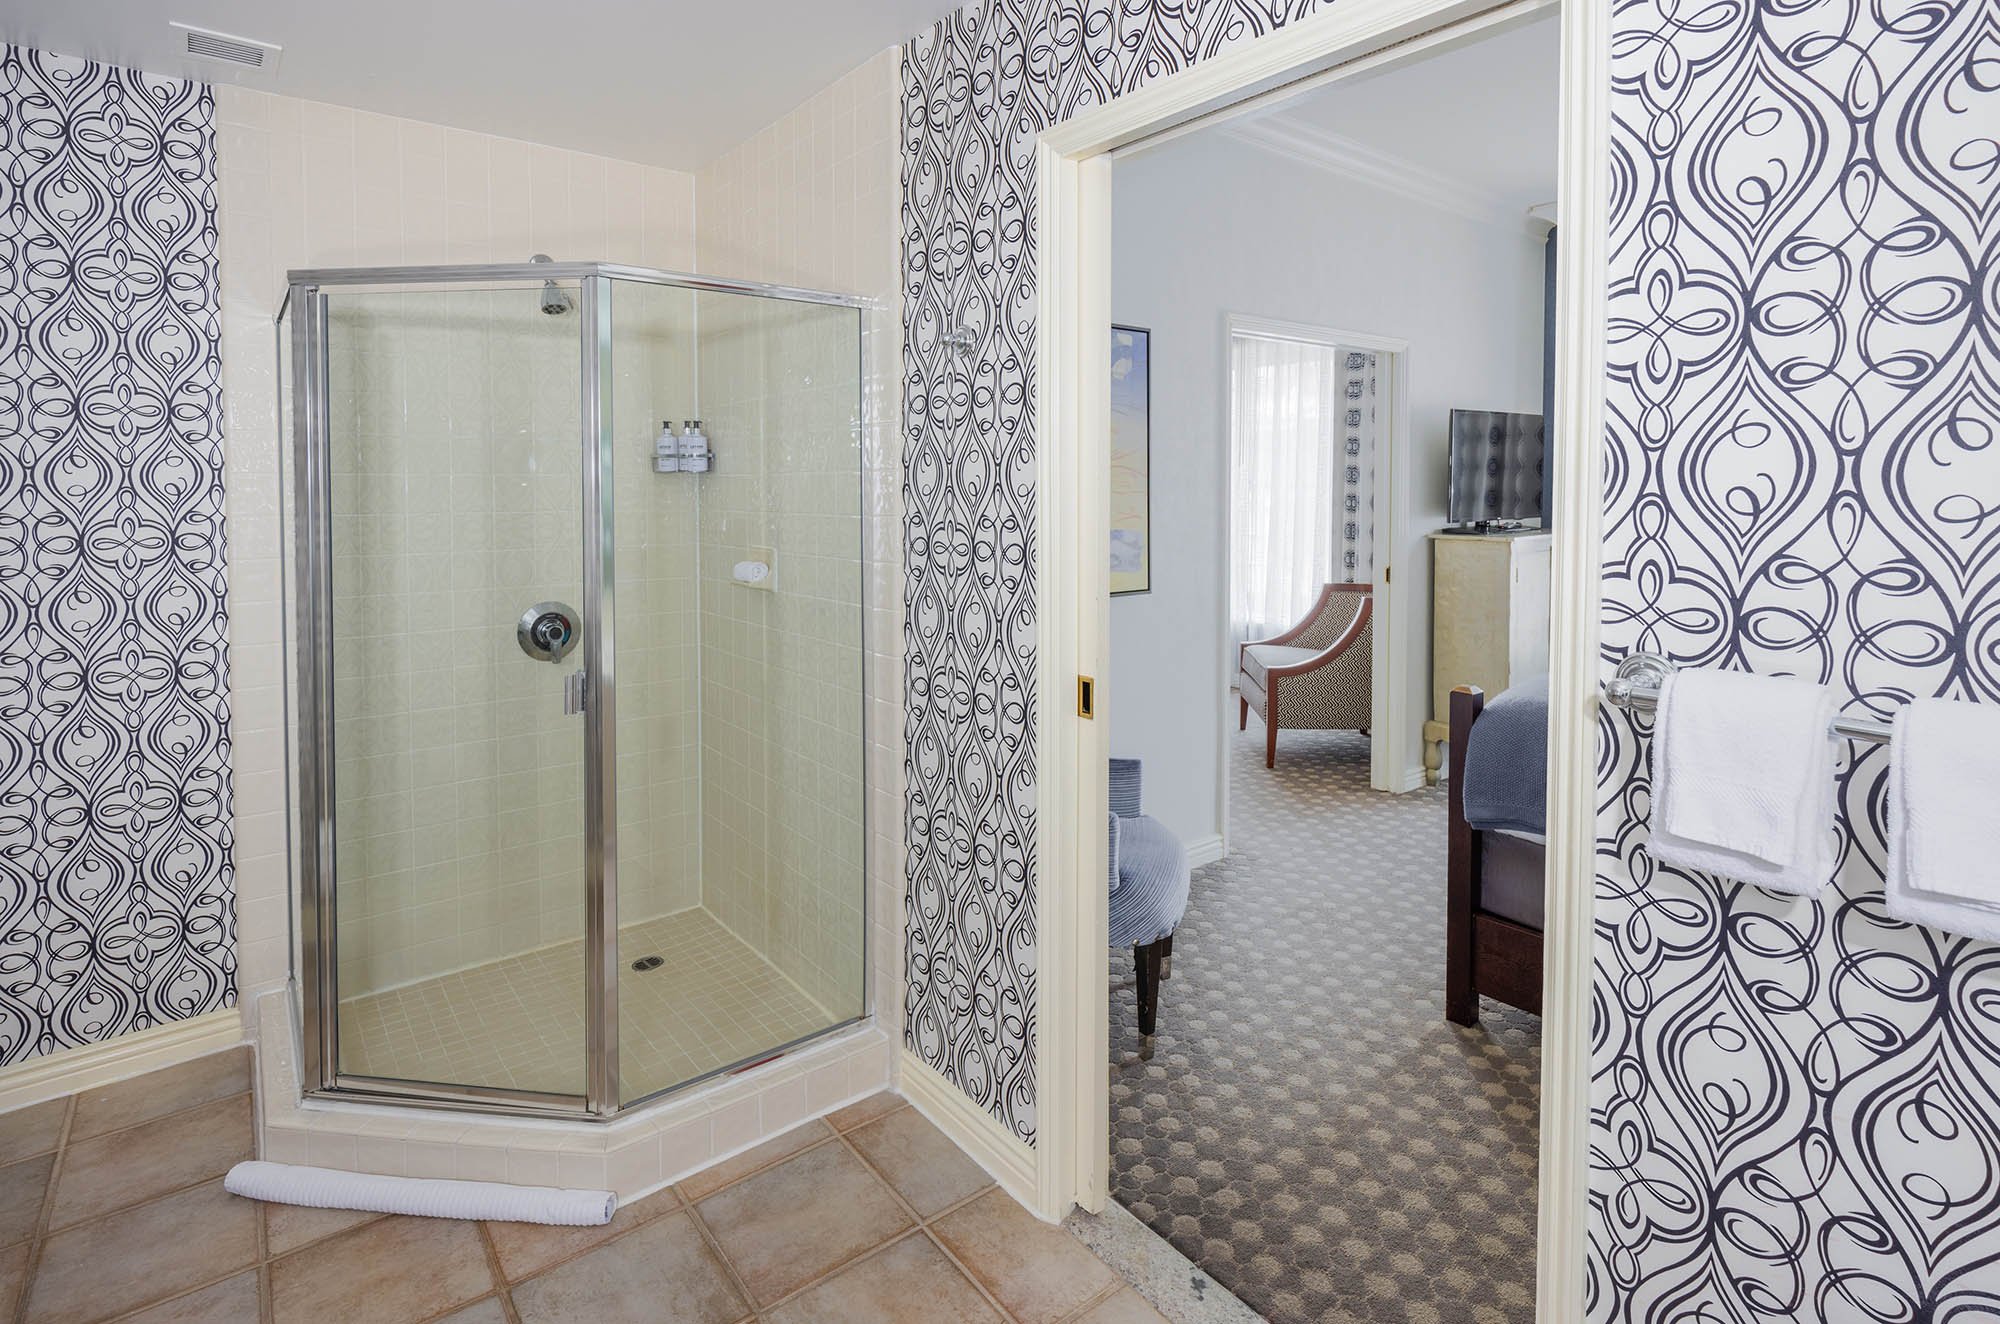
[{"x": 1310, "y": 1130}]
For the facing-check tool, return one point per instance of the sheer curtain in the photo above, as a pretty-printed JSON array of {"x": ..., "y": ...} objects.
[{"x": 1286, "y": 406}]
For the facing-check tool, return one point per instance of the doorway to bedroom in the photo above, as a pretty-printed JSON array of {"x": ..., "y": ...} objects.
[{"x": 1315, "y": 373}]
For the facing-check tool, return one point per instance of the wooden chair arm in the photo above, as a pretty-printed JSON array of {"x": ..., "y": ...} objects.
[
  {"x": 1312, "y": 615},
  {"x": 1334, "y": 649}
]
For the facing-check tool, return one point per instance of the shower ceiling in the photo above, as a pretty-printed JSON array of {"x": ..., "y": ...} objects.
[{"x": 663, "y": 82}]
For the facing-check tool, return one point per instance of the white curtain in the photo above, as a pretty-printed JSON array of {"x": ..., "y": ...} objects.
[{"x": 1302, "y": 490}]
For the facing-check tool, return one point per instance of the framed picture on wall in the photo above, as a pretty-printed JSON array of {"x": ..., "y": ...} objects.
[{"x": 1131, "y": 460}]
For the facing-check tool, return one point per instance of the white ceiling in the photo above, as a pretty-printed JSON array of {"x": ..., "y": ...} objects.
[
  {"x": 666, "y": 82},
  {"x": 1482, "y": 115}
]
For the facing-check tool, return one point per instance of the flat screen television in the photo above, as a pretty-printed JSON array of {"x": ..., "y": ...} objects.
[{"x": 1496, "y": 468}]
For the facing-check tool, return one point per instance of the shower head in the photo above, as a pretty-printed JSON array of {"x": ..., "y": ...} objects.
[{"x": 555, "y": 299}]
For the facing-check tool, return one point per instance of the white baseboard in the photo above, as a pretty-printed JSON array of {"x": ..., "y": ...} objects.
[
  {"x": 73, "y": 1069},
  {"x": 1204, "y": 850},
  {"x": 1009, "y": 1159}
]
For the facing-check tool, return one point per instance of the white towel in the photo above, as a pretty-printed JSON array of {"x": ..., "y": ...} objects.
[
  {"x": 1743, "y": 779},
  {"x": 1944, "y": 784}
]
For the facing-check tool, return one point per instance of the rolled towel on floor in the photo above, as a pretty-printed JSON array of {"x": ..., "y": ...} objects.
[
  {"x": 332, "y": 1188},
  {"x": 1743, "y": 770},
  {"x": 1944, "y": 780}
]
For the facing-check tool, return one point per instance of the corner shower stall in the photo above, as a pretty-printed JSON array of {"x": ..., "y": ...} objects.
[{"x": 576, "y": 709}]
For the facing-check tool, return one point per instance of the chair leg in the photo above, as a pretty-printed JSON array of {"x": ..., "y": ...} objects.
[
  {"x": 1146, "y": 960},
  {"x": 1271, "y": 734},
  {"x": 1242, "y": 713},
  {"x": 1167, "y": 958}
]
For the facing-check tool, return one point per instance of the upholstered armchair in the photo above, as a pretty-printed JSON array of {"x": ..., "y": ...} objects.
[{"x": 1316, "y": 676}]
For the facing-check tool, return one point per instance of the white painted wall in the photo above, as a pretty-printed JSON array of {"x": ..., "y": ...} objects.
[{"x": 1209, "y": 225}]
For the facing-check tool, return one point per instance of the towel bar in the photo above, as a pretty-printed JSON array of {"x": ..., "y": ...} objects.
[{"x": 1637, "y": 687}]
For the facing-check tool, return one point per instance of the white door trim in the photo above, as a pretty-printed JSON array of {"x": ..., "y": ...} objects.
[
  {"x": 1072, "y": 412},
  {"x": 1389, "y": 703}
]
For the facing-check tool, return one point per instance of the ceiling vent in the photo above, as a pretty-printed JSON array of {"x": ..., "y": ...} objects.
[{"x": 222, "y": 48}]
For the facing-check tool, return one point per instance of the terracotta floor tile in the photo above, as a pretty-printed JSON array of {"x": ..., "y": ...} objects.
[
  {"x": 925, "y": 1168},
  {"x": 22, "y": 1186},
  {"x": 489, "y": 1311},
  {"x": 112, "y": 1171},
  {"x": 713, "y": 1178},
  {"x": 112, "y": 1265},
  {"x": 13, "y": 1266},
  {"x": 789, "y": 1224},
  {"x": 391, "y": 1271},
  {"x": 909, "y": 1283},
  {"x": 1035, "y": 1269},
  {"x": 231, "y": 1301},
  {"x": 528, "y": 1248},
  {"x": 290, "y": 1226},
  {"x": 663, "y": 1271},
  {"x": 32, "y": 1130},
  {"x": 864, "y": 1111},
  {"x": 1126, "y": 1307},
  {"x": 158, "y": 1093}
]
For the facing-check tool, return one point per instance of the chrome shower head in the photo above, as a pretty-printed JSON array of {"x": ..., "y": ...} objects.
[{"x": 555, "y": 300}]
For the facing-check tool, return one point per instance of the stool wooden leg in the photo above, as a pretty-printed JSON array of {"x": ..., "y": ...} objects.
[{"x": 1146, "y": 960}]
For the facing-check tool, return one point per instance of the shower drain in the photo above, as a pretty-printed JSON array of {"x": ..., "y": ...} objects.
[{"x": 649, "y": 962}]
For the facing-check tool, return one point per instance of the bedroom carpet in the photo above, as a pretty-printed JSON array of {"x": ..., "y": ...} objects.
[{"x": 1310, "y": 1130}]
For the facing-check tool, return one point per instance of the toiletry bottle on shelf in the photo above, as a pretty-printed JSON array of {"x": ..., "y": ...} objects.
[
  {"x": 667, "y": 450},
  {"x": 694, "y": 449}
]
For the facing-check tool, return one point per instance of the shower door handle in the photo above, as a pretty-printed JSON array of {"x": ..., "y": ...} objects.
[{"x": 573, "y": 694}]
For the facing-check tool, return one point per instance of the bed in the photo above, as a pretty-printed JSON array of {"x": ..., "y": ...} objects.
[{"x": 1494, "y": 906}]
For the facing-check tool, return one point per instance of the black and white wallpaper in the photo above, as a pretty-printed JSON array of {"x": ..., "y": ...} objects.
[
  {"x": 977, "y": 88},
  {"x": 116, "y": 908},
  {"x": 1796, "y": 1103}
]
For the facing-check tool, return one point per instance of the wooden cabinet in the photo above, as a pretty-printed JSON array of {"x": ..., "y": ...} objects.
[{"x": 1489, "y": 620}]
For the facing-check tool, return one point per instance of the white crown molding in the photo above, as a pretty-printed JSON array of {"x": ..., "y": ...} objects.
[{"x": 1336, "y": 154}]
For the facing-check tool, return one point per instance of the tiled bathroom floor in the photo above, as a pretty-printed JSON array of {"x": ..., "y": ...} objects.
[
  {"x": 112, "y": 1208},
  {"x": 519, "y": 1022}
]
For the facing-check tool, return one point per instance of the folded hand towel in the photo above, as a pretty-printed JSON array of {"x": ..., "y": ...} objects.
[
  {"x": 1944, "y": 777},
  {"x": 1743, "y": 778}
]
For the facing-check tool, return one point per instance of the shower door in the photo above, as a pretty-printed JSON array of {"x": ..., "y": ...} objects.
[{"x": 448, "y": 571}]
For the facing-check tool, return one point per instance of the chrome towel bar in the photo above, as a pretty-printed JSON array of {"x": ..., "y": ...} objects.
[{"x": 1637, "y": 686}]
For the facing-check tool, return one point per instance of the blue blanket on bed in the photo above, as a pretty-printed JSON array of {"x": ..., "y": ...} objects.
[{"x": 1506, "y": 761}]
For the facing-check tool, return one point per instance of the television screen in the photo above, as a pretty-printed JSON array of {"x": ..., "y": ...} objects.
[{"x": 1496, "y": 467}]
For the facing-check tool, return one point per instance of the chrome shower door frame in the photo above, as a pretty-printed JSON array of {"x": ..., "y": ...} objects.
[{"x": 316, "y": 977}]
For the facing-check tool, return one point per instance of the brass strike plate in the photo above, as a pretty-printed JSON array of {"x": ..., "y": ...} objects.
[{"x": 1086, "y": 697}]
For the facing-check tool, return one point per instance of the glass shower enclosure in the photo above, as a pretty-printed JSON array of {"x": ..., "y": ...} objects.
[{"x": 575, "y": 615}]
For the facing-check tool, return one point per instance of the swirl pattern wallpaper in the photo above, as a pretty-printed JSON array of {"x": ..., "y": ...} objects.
[
  {"x": 116, "y": 906},
  {"x": 1796, "y": 1103},
  {"x": 977, "y": 88}
]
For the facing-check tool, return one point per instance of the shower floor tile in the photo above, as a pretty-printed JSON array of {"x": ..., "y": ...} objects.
[{"x": 518, "y": 1022}]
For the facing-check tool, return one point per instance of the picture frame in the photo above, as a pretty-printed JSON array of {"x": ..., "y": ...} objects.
[{"x": 1131, "y": 492}]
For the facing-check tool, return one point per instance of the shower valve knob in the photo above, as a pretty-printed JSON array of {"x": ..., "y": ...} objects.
[{"x": 548, "y": 631}]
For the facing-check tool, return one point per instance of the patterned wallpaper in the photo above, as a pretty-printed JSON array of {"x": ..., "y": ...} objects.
[
  {"x": 1796, "y": 1103},
  {"x": 977, "y": 88},
  {"x": 116, "y": 910}
]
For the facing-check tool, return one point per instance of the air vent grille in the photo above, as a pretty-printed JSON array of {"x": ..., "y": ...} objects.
[{"x": 222, "y": 48}]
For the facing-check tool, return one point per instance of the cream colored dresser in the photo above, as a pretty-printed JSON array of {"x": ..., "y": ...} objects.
[{"x": 1489, "y": 620}]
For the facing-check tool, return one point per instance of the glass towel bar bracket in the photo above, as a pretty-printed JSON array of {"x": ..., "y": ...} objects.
[{"x": 1636, "y": 686}]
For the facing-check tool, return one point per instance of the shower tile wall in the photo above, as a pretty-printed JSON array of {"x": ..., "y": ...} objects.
[
  {"x": 659, "y": 767},
  {"x": 457, "y": 486},
  {"x": 453, "y": 441},
  {"x": 305, "y": 184},
  {"x": 812, "y": 200},
  {"x": 782, "y": 840}
]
